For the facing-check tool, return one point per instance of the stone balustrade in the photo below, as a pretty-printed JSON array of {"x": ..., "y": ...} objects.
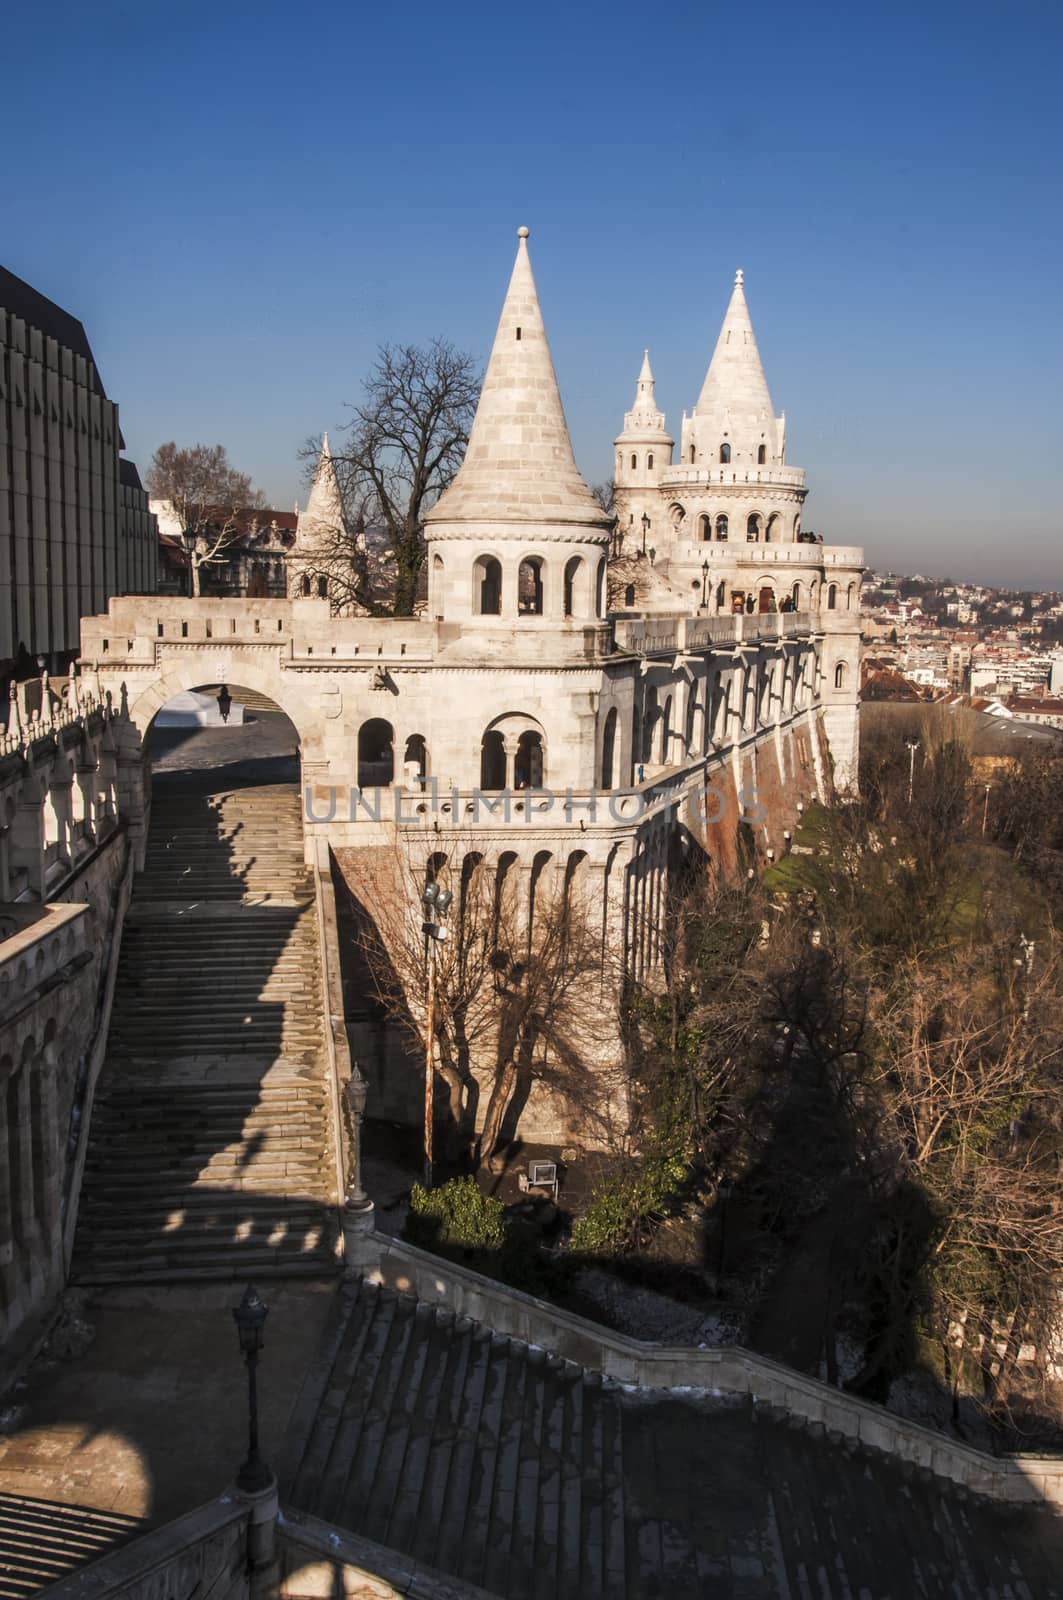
[
  {"x": 684, "y": 476},
  {"x": 737, "y": 552},
  {"x": 727, "y": 1370},
  {"x": 672, "y": 635}
]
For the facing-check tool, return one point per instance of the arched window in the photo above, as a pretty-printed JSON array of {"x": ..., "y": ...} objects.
[
  {"x": 693, "y": 455},
  {"x": 796, "y": 596},
  {"x": 376, "y": 754},
  {"x": 437, "y": 585},
  {"x": 530, "y": 587},
  {"x": 725, "y": 454},
  {"x": 609, "y": 750},
  {"x": 573, "y": 585},
  {"x": 415, "y": 760},
  {"x": 487, "y": 587},
  {"x": 634, "y": 460},
  {"x": 663, "y": 741},
  {"x": 619, "y": 463},
  {"x": 721, "y": 526},
  {"x": 753, "y": 528},
  {"x": 528, "y": 762},
  {"x": 677, "y": 514},
  {"x": 849, "y": 598},
  {"x": 304, "y": 584},
  {"x": 839, "y": 675},
  {"x": 797, "y": 529},
  {"x": 704, "y": 528},
  {"x": 599, "y": 589},
  {"x": 629, "y": 594},
  {"x": 492, "y": 761},
  {"x": 832, "y": 596},
  {"x": 772, "y": 530},
  {"x": 322, "y": 587},
  {"x": 649, "y": 462},
  {"x": 762, "y": 455}
]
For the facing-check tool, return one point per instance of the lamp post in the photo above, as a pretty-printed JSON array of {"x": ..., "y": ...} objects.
[
  {"x": 356, "y": 1090},
  {"x": 225, "y": 702},
  {"x": 704, "y": 584},
  {"x": 913, "y": 746},
  {"x": 645, "y": 529},
  {"x": 250, "y": 1318},
  {"x": 436, "y": 904},
  {"x": 985, "y": 809}
]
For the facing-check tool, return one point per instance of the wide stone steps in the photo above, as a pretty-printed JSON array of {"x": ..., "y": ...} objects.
[
  {"x": 210, "y": 1146},
  {"x": 516, "y": 1471},
  {"x": 42, "y": 1541}
]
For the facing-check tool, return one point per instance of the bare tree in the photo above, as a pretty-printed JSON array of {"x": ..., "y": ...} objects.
[
  {"x": 403, "y": 447},
  {"x": 206, "y": 495},
  {"x": 517, "y": 997}
]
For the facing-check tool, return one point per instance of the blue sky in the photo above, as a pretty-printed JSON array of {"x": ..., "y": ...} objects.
[{"x": 242, "y": 201}]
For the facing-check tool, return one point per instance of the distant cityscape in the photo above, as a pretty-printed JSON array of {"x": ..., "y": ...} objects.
[{"x": 926, "y": 638}]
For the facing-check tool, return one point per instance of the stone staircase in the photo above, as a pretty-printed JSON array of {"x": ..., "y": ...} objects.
[
  {"x": 210, "y": 1148},
  {"x": 510, "y": 1469},
  {"x": 42, "y": 1541}
]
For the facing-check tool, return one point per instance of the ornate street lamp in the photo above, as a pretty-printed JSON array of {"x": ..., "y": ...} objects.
[
  {"x": 704, "y": 583},
  {"x": 436, "y": 904},
  {"x": 357, "y": 1091},
  {"x": 225, "y": 702},
  {"x": 645, "y": 529},
  {"x": 250, "y": 1318}
]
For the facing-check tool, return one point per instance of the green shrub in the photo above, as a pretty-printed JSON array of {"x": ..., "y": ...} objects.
[
  {"x": 613, "y": 1222},
  {"x": 455, "y": 1218}
]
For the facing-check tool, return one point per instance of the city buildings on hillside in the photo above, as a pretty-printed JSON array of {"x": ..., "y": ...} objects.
[{"x": 75, "y": 528}]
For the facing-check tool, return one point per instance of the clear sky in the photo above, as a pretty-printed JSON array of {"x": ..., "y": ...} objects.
[{"x": 241, "y": 201}]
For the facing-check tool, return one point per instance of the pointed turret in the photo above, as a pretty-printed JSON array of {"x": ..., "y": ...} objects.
[
  {"x": 644, "y": 449},
  {"x": 324, "y": 516},
  {"x": 734, "y": 419},
  {"x": 519, "y": 466}
]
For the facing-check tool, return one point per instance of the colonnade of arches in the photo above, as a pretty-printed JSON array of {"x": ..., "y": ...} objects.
[
  {"x": 59, "y": 808},
  {"x": 528, "y": 584},
  {"x": 685, "y": 721},
  {"x": 31, "y": 1177}
]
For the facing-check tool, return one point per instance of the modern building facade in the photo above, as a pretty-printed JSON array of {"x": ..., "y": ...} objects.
[{"x": 75, "y": 528}]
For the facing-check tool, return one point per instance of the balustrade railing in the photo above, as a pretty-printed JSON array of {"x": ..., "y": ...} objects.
[{"x": 38, "y": 707}]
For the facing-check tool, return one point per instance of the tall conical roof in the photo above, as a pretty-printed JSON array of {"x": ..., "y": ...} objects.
[
  {"x": 735, "y": 394},
  {"x": 519, "y": 465},
  {"x": 324, "y": 514},
  {"x": 644, "y": 418}
]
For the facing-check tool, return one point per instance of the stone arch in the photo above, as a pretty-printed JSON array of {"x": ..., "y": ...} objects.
[
  {"x": 204, "y": 667},
  {"x": 577, "y": 600},
  {"x": 609, "y": 750},
  {"x": 704, "y": 527},
  {"x": 531, "y": 586},
  {"x": 487, "y": 586},
  {"x": 754, "y": 524},
  {"x": 376, "y": 754},
  {"x": 771, "y": 532},
  {"x": 841, "y": 672}
]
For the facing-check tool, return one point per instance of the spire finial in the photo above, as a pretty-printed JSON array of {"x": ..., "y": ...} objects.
[
  {"x": 740, "y": 278},
  {"x": 522, "y": 233}
]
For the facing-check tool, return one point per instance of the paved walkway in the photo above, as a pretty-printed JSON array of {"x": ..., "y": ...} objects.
[{"x": 151, "y": 1421}]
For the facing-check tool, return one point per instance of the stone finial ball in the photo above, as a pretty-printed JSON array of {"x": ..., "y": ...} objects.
[{"x": 522, "y": 233}]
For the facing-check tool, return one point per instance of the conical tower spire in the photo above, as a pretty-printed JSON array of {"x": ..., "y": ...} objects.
[
  {"x": 734, "y": 401},
  {"x": 324, "y": 514},
  {"x": 519, "y": 466},
  {"x": 644, "y": 417}
]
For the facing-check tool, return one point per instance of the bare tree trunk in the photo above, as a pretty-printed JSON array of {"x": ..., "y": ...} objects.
[{"x": 501, "y": 1094}]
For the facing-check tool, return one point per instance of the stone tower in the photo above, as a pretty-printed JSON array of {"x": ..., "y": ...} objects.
[
  {"x": 518, "y": 533},
  {"x": 643, "y": 452},
  {"x": 319, "y": 530}
]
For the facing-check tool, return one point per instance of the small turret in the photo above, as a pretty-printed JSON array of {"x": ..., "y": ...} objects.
[{"x": 644, "y": 448}]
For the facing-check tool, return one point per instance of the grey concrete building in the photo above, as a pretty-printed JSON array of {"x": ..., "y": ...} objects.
[{"x": 75, "y": 528}]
